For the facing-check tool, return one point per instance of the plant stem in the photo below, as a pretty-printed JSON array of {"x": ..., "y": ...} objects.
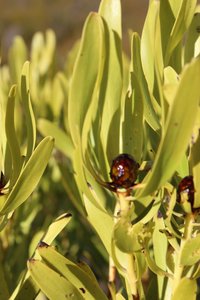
[
  {"x": 125, "y": 206},
  {"x": 132, "y": 276},
  {"x": 187, "y": 235}
]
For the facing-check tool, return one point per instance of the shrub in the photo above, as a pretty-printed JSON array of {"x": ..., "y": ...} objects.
[{"x": 147, "y": 214}]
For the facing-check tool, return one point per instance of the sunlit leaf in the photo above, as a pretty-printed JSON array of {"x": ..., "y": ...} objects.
[
  {"x": 133, "y": 122},
  {"x": 30, "y": 176},
  {"x": 148, "y": 43},
  {"x": 85, "y": 74},
  {"x": 195, "y": 164},
  {"x": 111, "y": 87},
  {"x": 51, "y": 283},
  {"x": 29, "y": 115},
  {"x": 178, "y": 132},
  {"x": 72, "y": 272},
  {"x": 16, "y": 58},
  {"x": 190, "y": 253},
  {"x": 126, "y": 236},
  {"x": 12, "y": 140},
  {"x": 102, "y": 223},
  {"x": 187, "y": 289},
  {"x": 182, "y": 22},
  {"x": 27, "y": 288},
  {"x": 192, "y": 37},
  {"x": 150, "y": 105}
]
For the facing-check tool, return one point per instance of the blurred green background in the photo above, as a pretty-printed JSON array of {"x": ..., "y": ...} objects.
[{"x": 65, "y": 17}]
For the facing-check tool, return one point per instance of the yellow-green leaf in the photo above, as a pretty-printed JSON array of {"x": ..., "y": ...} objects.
[{"x": 30, "y": 176}]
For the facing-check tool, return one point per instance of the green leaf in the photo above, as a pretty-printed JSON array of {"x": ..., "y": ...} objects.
[
  {"x": 126, "y": 236},
  {"x": 111, "y": 87},
  {"x": 150, "y": 105},
  {"x": 12, "y": 136},
  {"x": 195, "y": 164},
  {"x": 56, "y": 227},
  {"x": 85, "y": 74},
  {"x": 29, "y": 115},
  {"x": 178, "y": 132},
  {"x": 62, "y": 140},
  {"x": 51, "y": 283},
  {"x": 70, "y": 187},
  {"x": 88, "y": 271},
  {"x": 187, "y": 289},
  {"x": 42, "y": 51},
  {"x": 148, "y": 43},
  {"x": 192, "y": 37},
  {"x": 101, "y": 221},
  {"x": 59, "y": 94},
  {"x": 72, "y": 272},
  {"x": 167, "y": 15},
  {"x": 30, "y": 176},
  {"x": 153, "y": 267},
  {"x": 190, "y": 253},
  {"x": 133, "y": 122},
  {"x": 27, "y": 288},
  {"x": 111, "y": 12},
  {"x": 182, "y": 22},
  {"x": 17, "y": 56},
  {"x": 160, "y": 241}
]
